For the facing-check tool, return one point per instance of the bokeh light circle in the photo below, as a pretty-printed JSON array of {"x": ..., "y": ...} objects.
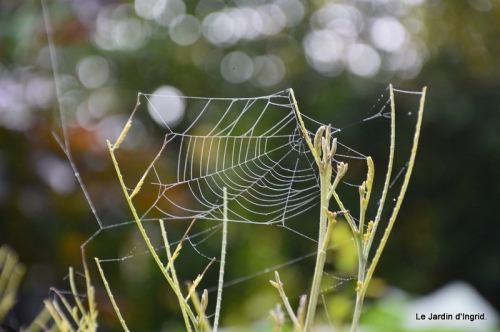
[
  {"x": 185, "y": 30},
  {"x": 166, "y": 106},
  {"x": 236, "y": 67}
]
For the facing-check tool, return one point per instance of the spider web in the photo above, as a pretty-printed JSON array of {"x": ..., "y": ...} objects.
[{"x": 254, "y": 148}]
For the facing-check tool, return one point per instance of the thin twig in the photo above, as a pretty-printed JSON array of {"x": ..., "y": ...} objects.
[
  {"x": 222, "y": 263},
  {"x": 192, "y": 287},
  {"x": 111, "y": 297},
  {"x": 279, "y": 286}
]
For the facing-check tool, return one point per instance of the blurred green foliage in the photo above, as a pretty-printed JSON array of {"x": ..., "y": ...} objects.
[{"x": 447, "y": 226}]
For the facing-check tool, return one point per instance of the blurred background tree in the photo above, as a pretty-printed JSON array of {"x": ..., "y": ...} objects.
[{"x": 337, "y": 55}]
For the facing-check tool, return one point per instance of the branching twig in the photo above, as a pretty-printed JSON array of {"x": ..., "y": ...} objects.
[{"x": 279, "y": 286}]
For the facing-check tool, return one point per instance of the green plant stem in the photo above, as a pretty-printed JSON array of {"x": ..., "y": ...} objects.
[
  {"x": 363, "y": 254},
  {"x": 388, "y": 174},
  {"x": 321, "y": 144},
  {"x": 279, "y": 286},
  {"x": 187, "y": 313},
  {"x": 111, "y": 297},
  {"x": 222, "y": 263},
  {"x": 361, "y": 291},
  {"x": 93, "y": 312},
  {"x": 302, "y": 126},
  {"x": 363, "y": 241},
  {"x": 395, "y": 212},
  {"x": 320, "y": 258}
]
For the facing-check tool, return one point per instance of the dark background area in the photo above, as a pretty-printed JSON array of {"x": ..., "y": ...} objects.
[{"x": 448, "y": 228}]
